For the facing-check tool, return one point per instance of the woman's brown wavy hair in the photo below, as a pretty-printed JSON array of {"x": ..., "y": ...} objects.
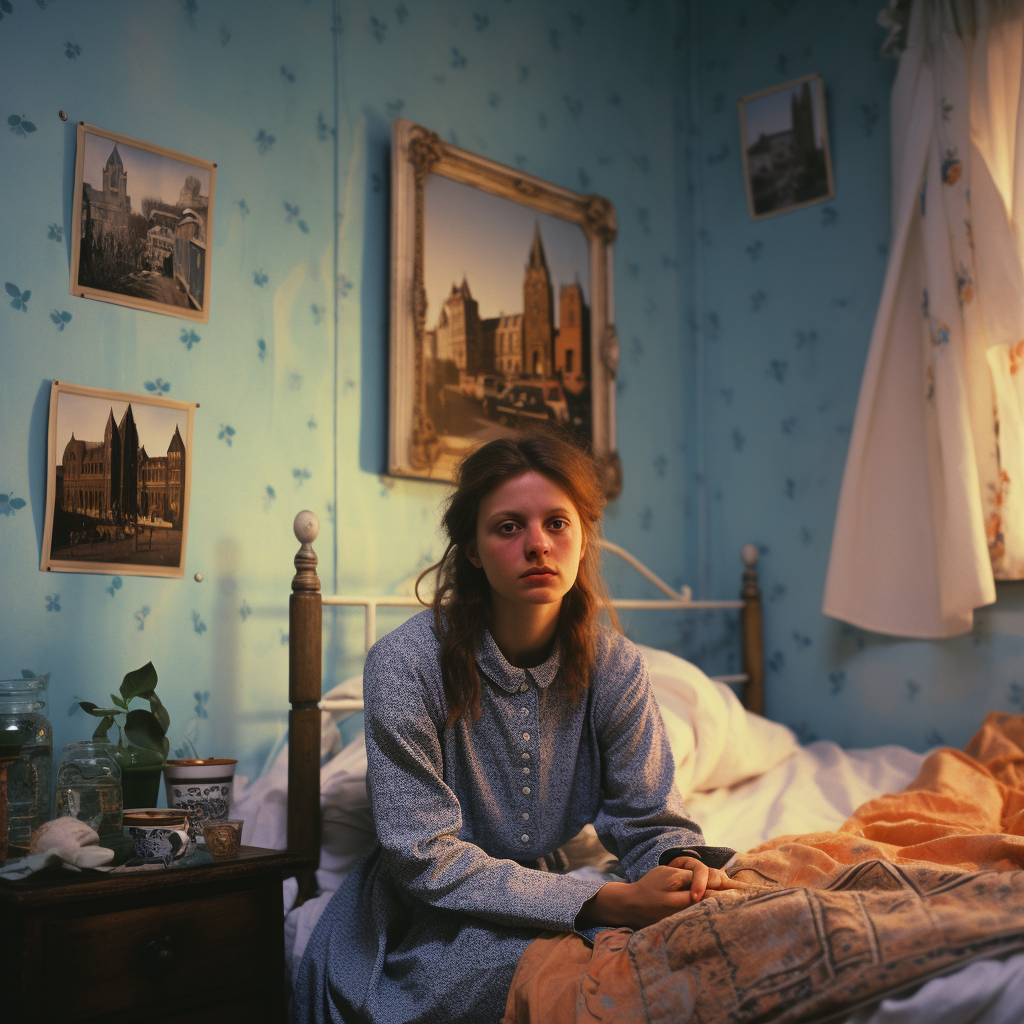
[{"x": 462, "y": 598}]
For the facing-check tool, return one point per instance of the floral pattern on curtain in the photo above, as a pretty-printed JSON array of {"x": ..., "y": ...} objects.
[{"x": 931, "y": 510}]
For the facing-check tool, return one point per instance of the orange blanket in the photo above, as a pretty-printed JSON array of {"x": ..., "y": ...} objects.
[{"x": 939, "y": 883}]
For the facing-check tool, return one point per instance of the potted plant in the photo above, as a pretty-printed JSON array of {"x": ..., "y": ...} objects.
[{"x": 142, "y": 757}]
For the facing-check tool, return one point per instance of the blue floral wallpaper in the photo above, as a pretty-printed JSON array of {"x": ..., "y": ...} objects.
[
  {"x": 294, "y": 101},
  {"x": 742, "y": 342},
  {"x": 782, "y": 313}
]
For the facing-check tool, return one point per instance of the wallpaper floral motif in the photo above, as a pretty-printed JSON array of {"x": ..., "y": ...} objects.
[
  {"x": 783, "y": 312},
  {"x": 295, "y": 105},
  {"x": 742, "y": 343}
]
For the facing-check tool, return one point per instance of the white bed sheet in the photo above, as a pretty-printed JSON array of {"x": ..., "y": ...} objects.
[{"x": 814, "y": 790}]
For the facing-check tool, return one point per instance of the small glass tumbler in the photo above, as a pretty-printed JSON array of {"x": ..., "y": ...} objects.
[
  {"x": 223, "y": 838},
  {"x": 89, "y": 786}
]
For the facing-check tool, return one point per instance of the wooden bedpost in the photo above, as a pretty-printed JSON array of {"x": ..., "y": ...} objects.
[
  {"x": 305, "y": 625},
  {"x": 753, "y": 642}
]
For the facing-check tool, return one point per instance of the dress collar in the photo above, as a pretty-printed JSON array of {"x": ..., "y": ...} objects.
[{"x": 492, "y": 663}]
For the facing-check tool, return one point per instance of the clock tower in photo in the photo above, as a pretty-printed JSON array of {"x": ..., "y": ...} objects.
[{"x": 538, "y": 313}]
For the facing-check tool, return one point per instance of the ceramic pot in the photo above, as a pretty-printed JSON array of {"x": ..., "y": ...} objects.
[
  {"x": 201, "y": 785},
  {"x": 145, "y": 819},
  {"x": 157, "y": 841}
]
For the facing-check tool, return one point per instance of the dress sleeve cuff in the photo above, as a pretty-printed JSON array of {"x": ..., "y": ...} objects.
[{"x": 713, "y": 856}]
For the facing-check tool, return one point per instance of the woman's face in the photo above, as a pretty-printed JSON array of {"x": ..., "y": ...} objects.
[{"x": 529, "y": 541}]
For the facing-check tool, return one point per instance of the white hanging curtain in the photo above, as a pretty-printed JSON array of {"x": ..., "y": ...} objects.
[{"x": 931, "y": 510}]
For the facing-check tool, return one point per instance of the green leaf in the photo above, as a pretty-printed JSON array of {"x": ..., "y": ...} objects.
[
  {"x": 120, "y": 703},
  {"x": 159, "y": 711},
  {"x": 101, "y": 729},
  {"x": 142, "y": 729},
  {"x": 90, "y": 709},
  {"x": 139, "y": 682}
]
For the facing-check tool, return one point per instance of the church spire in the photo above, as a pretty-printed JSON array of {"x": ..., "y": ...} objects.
[{"x": 538, "y": 261}]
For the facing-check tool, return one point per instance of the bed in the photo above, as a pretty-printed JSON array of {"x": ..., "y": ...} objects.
[{"x": 744, "y": 778}]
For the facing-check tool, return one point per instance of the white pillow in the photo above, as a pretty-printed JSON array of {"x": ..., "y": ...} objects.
[
  {"x": 336, "y": 705},
  {"x": 715, "y": 741}
]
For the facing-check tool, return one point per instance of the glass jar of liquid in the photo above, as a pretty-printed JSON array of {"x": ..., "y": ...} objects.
[
  {"x": 27, "y": 733},
  {"x": 89, "y": 786}
]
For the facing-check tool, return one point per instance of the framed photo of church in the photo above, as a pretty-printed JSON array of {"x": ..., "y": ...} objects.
[
  {"x": 502, "y": 315},
  {"x": 787, "y": 164},
  {"x": 118, "y": 483},
  {"x": 142, "y": 225}
]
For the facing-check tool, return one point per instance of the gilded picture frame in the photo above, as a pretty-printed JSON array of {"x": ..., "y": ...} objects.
[{"x": 462, "y": 371}]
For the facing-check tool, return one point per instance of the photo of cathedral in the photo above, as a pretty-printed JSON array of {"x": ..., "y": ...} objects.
[
  {"x": 786, "y": 157},
  {"x": 507, "y": 335},
  {"x": 142, "y": 219},
  {"x": 118, "y": 483}
]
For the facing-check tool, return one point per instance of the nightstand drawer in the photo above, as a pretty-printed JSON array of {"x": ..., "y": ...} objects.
[{"x": 167, "y": 954}]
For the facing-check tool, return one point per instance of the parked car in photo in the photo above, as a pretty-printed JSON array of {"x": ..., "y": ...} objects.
[
  {"x": 554, "y": 398},
  {"x": 492, "y": 397},
  {"x": 523, "y": 404},
  {"x": 488, "y": 385}
]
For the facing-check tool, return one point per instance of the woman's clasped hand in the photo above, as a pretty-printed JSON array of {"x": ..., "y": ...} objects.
[{"x": 661, "y": 892}]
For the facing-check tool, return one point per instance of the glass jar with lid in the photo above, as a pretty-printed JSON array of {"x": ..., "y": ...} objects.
[
  {"x": 26, "y": 733},
  {"x": 89, "y": 786}
]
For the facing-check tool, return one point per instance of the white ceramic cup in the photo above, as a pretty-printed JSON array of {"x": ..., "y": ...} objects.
[{"x": 203, "y": 786}]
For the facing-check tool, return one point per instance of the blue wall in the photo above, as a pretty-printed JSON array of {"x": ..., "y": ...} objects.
[
  {"x": 742, "y": 342},
  {"x": 581, "y": 95},
  {"x": 783, "y": 312}
]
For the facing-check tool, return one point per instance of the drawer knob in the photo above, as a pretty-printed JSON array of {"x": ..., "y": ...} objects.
[{"x": 159, "y": 955}]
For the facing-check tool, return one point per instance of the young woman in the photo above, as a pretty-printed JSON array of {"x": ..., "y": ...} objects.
[{"x": 497, "y": 726}]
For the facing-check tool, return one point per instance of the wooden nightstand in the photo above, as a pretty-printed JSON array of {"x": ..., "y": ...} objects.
[{"x": 199, "y": 945}]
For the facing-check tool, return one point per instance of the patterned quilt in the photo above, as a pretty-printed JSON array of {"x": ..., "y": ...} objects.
[{"x": 913, "y": 885}]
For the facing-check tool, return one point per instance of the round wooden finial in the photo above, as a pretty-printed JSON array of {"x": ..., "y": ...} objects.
[
  {"x": 749, "y": 554},
  {"x": 306, "y": 527}
]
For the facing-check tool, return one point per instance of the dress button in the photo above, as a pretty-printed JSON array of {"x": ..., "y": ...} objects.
[
  {"x": 524, "y": 711},
  {"x": 526, "y": 816},
  {"x": 526, "y": 790},
  {"x": 523, "y": 688},
  {"x": 526, "y": 771},
  {"x": 526, "y": 736},
  {"x": 525, "y": 838},
  {"x": 526, "y": 756}
]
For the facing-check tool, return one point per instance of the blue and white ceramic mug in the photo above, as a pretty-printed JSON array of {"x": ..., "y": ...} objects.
[
  {"x": 149, "y": 829},
  {"x": 158, "y": 841},
  {"x": 201, "y": 786}
]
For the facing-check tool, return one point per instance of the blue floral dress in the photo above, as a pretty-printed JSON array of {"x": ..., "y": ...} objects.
[{"x": 430, "y": 924}]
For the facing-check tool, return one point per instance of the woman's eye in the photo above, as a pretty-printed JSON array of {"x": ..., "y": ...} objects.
[
  {"x": 559, "y": 524},
  {"x": 508, "y": 527}
]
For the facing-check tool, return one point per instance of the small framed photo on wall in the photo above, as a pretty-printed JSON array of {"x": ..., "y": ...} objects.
[
  {"x": 142, "y": 225},
  {"x": 784, "y": 141},
  {"x": 118, "y": 483}
]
